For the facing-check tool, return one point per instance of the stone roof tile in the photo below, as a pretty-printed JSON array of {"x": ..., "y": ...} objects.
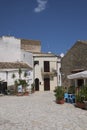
[{"x": 13, "y": 65}]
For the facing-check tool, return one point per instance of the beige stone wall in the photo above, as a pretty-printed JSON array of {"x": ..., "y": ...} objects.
[
  {"x": 40, "y": 67},
  {"x": 31, "y": 45},
  {"x": 75, "y": 58}
]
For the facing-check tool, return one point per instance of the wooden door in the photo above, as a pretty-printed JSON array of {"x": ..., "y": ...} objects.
[
  {"x": 46, "y": 66},
  {"x": 37, "y": 84},
  {"x": 47, "y": 84}
]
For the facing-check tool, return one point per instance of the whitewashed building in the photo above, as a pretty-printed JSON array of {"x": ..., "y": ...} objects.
[
  {"x": 46, "y": 71},
  {"x": 43, "y": 69},
  {"x": 13, "y": 57}
]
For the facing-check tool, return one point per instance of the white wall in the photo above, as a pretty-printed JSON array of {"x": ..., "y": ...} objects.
[
  {"x": 38, "y": 68},
  {"x": 27, "y": 57},
  {"x": 6, "y": 75},
  {"x": 59, "y": 73},
  {"x": 29, "y": 78},
  {"x": 9, "y": 49}
]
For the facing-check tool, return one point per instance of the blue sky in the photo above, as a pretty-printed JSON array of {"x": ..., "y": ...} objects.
[{"x": 58, "y": 24}]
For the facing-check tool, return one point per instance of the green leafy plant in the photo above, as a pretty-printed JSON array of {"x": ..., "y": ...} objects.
[
  {"x": 59, "y": 93},
  {"x": 71, "y": 89},
  {"x": 79, "y": 98},
  {"x": 13, "y": 76},
  {"x": 21, "y": 82},
  {"x": 32, "y": 87},
  {"x": 82, "y": 94},
  {"x": 85, "y": 92},
  {"x": 20, "y": 72}
]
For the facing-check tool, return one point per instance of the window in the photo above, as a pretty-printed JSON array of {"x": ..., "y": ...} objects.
[
  {"x": 36, "y": 62},
  {"x": 46, "y": 66}
]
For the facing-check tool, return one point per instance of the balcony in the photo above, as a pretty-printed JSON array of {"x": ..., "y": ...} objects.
[{"x": 53, "y": 72}]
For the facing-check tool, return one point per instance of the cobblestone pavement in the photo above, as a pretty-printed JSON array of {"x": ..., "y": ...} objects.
[{"x": 39, "y": 111}]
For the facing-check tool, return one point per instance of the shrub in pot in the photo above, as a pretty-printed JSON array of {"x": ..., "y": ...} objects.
[
  {"x": 59, "y": 94},
  {"x": 81, "y": 97},
  {"x": 79, "y": 101}
]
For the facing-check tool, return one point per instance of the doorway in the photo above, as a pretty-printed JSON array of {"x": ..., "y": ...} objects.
[
  {"x": 37, "y": 84},
  {"x": 46, "y": 84},
  {"x": 3, "y": 87},
  {"x": 80, "y": 82}
]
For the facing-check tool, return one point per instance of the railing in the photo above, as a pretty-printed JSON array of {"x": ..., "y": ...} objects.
[{"x": 52, "y": 72}]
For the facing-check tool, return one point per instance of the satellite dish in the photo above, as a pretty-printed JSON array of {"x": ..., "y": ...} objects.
[
  {"x": 49, "y": 52},
  {"x": 62, "y": 54}
]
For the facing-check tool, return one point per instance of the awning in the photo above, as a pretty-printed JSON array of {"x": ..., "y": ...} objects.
[{"x": 79, "y": 75}]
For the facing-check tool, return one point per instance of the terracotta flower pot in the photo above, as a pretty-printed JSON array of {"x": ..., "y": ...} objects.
[
  {"x": 80, "y": 105},
  {"x": 19, "y": 94},
  {"x": 60, "y": 101},
  {"x": 26, "y": 93}
]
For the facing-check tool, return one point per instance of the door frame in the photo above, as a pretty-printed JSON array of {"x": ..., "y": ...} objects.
[
  {"x": 46, "y": 84},
  {"x": 36, "y": 84}
]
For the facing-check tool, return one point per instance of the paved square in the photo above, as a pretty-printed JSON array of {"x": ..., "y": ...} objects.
[{"x": 39, "y": 111}]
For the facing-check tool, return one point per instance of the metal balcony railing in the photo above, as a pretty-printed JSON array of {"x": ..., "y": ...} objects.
[{"x": 52, "y": 72}]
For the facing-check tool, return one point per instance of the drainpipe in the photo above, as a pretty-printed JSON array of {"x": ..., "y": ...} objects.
[
  {"x": 84, "y": 81},
  {"x": 7, "y": 76},
  {"x": 75, "y": 82}
]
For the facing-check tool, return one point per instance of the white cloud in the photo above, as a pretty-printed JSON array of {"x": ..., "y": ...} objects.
[{"x": 41, "y": 5}]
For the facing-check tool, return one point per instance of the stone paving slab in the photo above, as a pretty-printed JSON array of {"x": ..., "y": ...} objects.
[{"x": 39, "y": 111}]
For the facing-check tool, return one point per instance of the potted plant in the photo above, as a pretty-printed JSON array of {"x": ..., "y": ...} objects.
[
  {"x": 32, "y": 88},
  {"x": 21, "y": 86},
  {"x": 85, "y": 96},
  {"x": 81, "y": 98},
  {"x": 79, "y": 101},
  {"x": 24, "y": 85},
  {"x": 59, "y": 94}
]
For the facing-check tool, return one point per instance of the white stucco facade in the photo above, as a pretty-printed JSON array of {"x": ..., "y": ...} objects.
[
  {"x": 27, "y": 57},
  {"x": 10, "y": 51},
  {"x": 59, "y": 71},
  {"x": 41, "y": 75},
  {"x": 6, "y": 75}
]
